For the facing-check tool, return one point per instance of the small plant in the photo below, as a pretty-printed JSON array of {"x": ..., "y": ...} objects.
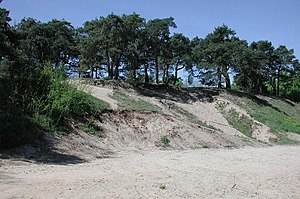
[
  {"x": 165, "y": 140},
  {"x": 162, "y": 187},
  {"x": 205, "y": 146}
]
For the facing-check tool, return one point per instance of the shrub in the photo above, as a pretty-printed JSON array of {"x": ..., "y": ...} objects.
[
  {"x": 165, "y": 140},
  {"x": 31, "y": 106},
  {"x": 64, "y": 101}
]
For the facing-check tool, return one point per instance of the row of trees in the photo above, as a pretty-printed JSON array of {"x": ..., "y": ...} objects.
[{"x": 130, "y": 48}]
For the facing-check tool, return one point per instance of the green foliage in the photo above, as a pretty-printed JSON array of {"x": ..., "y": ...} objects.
[
  {"x": 36, "y": 98},
  {"x": 216, "y": 54},
  {"x": 48, "y": 110},
  {"x": 165, "y": 140},
  {"x": 279, "y": 115},
  {"x": 126, "y": 102},
  {"x": 92, "y": 129},
  {"x": 276, "y": 120},
  {"x": 68, "y": 101},
  {"x": 240, "y": 123}
]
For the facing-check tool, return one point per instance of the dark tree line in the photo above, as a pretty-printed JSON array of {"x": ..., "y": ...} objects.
[{"x": 130, "y": 48}]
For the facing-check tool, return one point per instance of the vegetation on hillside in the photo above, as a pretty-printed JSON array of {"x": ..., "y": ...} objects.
[
  {"x": 34, "y": 57},
  {"x": 282, "y": 116}
]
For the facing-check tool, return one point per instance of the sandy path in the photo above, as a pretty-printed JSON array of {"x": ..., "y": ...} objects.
[
  {"x": 103, "y": 94},
  {"x": 240, "y": 173}
]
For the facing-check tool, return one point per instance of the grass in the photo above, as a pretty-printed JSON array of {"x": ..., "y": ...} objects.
[
  {"x": 278, "y": 114},
  {"x": 240, "y": 123},
  {"x": 98, "y": 104},
  {"x": 127, "y": 103},
  {"x": 282, "y": 139},
  {"x": 92, "y": 129},
  {"x": 246, "y": 139},
  {"x": 277, "y": 121},
  {"x": 286, "y": 142}
]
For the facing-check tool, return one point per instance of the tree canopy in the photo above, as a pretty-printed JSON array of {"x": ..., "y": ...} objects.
[{"x": 131, "y": 48}]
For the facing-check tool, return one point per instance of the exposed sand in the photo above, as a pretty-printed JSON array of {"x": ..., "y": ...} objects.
[{"x": 272, "y": 172}]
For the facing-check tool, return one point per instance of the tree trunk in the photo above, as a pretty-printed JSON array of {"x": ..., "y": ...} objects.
[
  {"x": 167, "y": 74},
  {"x": 176, "y": 74},
  {"x": 156, "y": 70},
  {"x": 117, "y": 72},
  {"x": 227, "y": 80},
  {"x": 96, "y": 77},
  {"x": 278, "y": 76},
  {"x": 274, "y": 85},
  {"x": 219, "y": 78},
  {"x": 146, "y": 73},
  {"x": 92, "y": 75},
  {"x": 133, "y": 74},
  {"x": 109, "y": 71},
  {"x": 109, "y": 66},
  {"x": 164, "y": 75}
]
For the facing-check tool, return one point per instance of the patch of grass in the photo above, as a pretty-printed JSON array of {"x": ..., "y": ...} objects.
[
  {"x": 238, "y": 121},
  {"x": 165, "y": 140},
  {"x": 246, "y": 139},
  {"x": 278, "y": 114},
  {"x": 126, "y": 102},
  {"x": 92, "y": 129},
  {"x": 205, "y": 146},
  {"x": 282, "y": 139},
  {"x": 98, "y": 104},
  {"x": 286, "y": 142},
  {"x": 241, "y": 123},
  {"x": 277, "y": 121}
]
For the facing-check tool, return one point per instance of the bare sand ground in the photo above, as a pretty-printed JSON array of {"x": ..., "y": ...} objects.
[{"x": 271, "y": 172}]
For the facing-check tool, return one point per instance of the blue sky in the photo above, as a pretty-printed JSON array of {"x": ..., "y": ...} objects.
[{"x": 253, "y": 20}]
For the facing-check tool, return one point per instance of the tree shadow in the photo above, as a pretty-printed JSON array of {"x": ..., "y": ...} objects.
[
  {"x": 37, "y": 155},
  {"x": 45, "y": 152},
  {"x": 177, "y": 94},
  {"x": 256, "y": 99}
]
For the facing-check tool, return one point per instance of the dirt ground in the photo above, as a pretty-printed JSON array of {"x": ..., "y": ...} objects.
[{"x": 269, "y": 172}]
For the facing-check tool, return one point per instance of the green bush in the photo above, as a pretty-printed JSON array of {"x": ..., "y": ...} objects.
[
  {"x": 30, "y": 107},
  {"x": 165, "y": 140}
]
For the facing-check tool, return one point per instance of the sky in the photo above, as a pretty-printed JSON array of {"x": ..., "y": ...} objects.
[{"x": 277, "y": 21}]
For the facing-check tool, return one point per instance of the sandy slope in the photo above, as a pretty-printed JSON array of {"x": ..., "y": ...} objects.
[{"x": 272, "y": 172}]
